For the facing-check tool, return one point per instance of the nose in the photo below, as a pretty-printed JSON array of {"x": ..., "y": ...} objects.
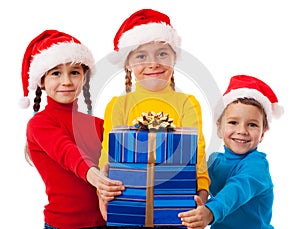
[
  {"x": 66, "y": 79},
  {"x": 153, "y": 62},
  {"x": 242, "y": 129}
]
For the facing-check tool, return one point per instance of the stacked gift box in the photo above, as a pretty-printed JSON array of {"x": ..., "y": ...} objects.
[{"x": 158, "y": 169}]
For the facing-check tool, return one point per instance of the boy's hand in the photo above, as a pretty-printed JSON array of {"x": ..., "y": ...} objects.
[{"x": 197, "y": 218}]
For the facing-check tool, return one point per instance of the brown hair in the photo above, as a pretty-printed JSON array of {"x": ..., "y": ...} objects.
[
  {"x": 86, "y": 92},
  {"x": 128, "y": 83},
  {"x": 128, "y": 77},
  {"x": 253, "y": 102},
  {"x": 37, "y": 101}
]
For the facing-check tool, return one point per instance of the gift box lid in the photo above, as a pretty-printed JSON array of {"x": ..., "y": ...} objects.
[{"x": 128, "y": 144}]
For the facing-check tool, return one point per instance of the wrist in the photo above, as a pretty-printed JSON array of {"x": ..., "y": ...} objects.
[{"x": 203, "y": 194}]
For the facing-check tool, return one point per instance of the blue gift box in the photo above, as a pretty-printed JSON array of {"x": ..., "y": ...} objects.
[
  {"x": 176, "y": 147},
  {"x": 173, "y": 192},
  {"x": 158, "y": 170},
  {"x": 133, "y": 212},
  {"x": 168, "y": 179}
]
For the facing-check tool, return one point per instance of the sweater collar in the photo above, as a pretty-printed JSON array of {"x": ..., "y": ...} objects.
[
  {"x": 52, "y": 104},
  {"x": 144, "y": 91},
  {"x": 231, "y": 155}
]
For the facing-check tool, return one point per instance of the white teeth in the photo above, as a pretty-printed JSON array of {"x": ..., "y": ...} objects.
[{"x": 241, "y": 141}]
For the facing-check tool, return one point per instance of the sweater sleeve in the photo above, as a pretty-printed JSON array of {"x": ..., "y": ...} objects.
[
  {"x": 108, "y": 125},
  {"x": 192, "y": 117},
  {"x": 250, "y": 180},
  {"x": 61, "y": 148}
]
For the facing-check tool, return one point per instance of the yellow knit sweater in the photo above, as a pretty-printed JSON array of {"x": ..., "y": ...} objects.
[{"x": 183, "y": 108}]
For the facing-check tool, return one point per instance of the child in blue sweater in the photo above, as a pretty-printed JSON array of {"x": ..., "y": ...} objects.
[{"x": 241, "y": 190}]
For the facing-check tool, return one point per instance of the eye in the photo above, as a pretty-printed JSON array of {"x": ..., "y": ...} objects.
[
  {"x": 54, "y": 74},
  {"x": 232, "y": 122},
  {"x": 162, "y": 54},
  {"x": 75, "y": 72},
  {"x": 141, "y": 56},
  {"x": 252, "y": 124}
]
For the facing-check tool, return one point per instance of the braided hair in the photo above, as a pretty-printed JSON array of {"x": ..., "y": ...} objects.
[
  {"x": 128, "y": 83},
  {"x": 37, "y": 101},
  {"x": 86, "y": 89},
  {"x": 128, "y": 77},
  {"x": 86, "y": 92}
]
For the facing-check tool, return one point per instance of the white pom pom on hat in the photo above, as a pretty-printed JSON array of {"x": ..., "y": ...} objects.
[
  {"x": 244, "y": 86},
  {"x": 44, "y": 52},
  {"x": 24, "y": 102}
]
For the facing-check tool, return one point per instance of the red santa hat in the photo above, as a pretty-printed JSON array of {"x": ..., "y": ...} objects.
[
  {"x": 243, "y": 86},
  {"x": 142, "y": 27},
  {"x": 46, "y": 51}
]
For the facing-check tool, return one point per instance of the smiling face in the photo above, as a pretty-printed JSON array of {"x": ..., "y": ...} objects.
[
  {"x": 64, "y": 82},
  {"x": 241, "y": 127},
  {"x": 152, "y": 65}
]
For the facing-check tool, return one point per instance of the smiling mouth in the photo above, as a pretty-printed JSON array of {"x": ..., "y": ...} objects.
[
  {"x": 240, "y": 140},
  {"x": 153, "y": 74},
  {"x": 66, "y": 91}
]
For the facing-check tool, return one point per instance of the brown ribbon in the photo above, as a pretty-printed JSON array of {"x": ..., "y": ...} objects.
[{"x": 150, "y": 179}]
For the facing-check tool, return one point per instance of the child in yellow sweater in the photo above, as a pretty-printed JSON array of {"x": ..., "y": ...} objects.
[{"x": 147, "y": 45}]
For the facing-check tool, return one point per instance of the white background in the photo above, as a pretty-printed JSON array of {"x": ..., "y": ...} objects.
[{"x": 259, "y": 38}]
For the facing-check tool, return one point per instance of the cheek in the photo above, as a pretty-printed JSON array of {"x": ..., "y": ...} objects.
[
  {"x": 228, "y": 131},
  {"x": 169, "y": 73},
  {"x": 137, "y": 72},
  {"x": 49, "y": 85},
  {"x": 79, "y": 84}
]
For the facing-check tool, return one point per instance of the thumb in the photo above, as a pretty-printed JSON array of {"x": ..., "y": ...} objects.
[
  {"x": 198, "y": 200},
  {"x": 105, "y": 169},
  {"x": 103, "y": 208}
]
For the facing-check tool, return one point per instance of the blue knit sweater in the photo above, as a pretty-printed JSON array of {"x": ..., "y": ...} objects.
[{"x": 241, "y": 190}]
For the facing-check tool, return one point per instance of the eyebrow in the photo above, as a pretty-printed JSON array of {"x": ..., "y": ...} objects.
[
  {"x": 76, "y": 66},
  {"x": 158, "y": 49}
]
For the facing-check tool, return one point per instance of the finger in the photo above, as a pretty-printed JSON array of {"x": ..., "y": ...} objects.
[
  {"x": 105, "y": 169},
  {"x": 107, "y": 181},
  {"x": 107, "y": 196},
  {"x": 103, "y": 209},
  {"x": 194, "y": 224},
  {"x": 185, "y": 215},
  {"x": 198, "y": 200}
]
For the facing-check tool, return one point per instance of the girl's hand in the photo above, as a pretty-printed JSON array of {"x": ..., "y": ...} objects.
[
  {"x": 197, "y": 218},
  {"x": 107, "y": 188},
  {"x": 103, "y": 208}
]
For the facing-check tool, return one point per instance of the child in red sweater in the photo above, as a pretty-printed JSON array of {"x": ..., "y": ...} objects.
[{"x": 63, "y": 143}]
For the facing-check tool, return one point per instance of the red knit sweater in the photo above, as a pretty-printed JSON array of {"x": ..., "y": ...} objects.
[{"x": 63, "y": 144}]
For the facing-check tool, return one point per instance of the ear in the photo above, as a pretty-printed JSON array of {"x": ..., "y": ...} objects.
[
  {"x": 262, "y": 135},
  {"x": 128, "y": 68},
  {"x": 84, "y": 80},
  {"x": 175, "y": 59},
  {"x": 219, "y": 129},
  {"x": 42, "y": 84}
]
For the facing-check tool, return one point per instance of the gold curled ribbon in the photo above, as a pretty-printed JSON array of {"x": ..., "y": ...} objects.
[{"x": 154, "y": 121}]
